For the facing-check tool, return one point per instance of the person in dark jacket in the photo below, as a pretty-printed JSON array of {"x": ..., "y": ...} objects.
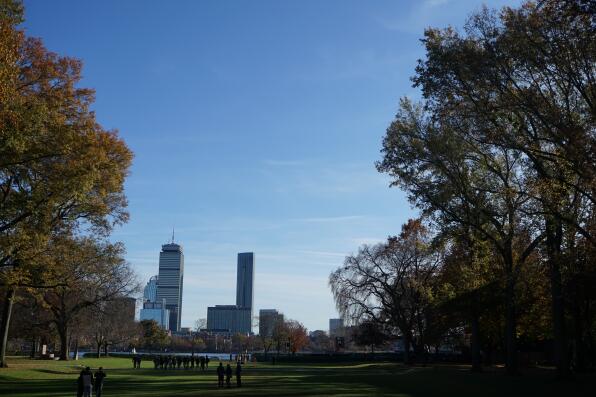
[
  {"x": 87, "y": 377},
  {"x": 228, "y": 375},
  {"x": 238, "y": 374},
  {"x": 220, "y": 375},
  {"x": 80, "y": 384},
  {"x": 99, "y": 377}
]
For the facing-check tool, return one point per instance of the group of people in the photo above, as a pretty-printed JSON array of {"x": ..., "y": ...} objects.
[
  {"x": 176, "y": 362},
  {"x": 227, "y": 371},
  {"x": 87, "y": 381}
]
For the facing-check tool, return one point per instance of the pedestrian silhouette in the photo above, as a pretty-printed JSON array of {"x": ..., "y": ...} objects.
[
  {"x": 238, "y": 374},
  {"x": 99, "y": 377},
  {"x": 87, "y": 378},
  {"x": 220, "y": 375},
  {"x": 228, "y": 375},
  {"x": 80, "y": 387}
]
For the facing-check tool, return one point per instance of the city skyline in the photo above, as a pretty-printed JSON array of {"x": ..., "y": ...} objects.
[{"x": 255, "y": 127}]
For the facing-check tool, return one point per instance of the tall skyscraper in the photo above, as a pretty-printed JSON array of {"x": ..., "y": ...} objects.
[
  {"x": 245, "y": 280},
  {"x": 171, "y": 276},
  {"x": 238, "y": 317}
]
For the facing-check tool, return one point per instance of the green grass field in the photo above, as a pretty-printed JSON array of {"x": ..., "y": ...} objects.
[{"x": 27, "y": 377}]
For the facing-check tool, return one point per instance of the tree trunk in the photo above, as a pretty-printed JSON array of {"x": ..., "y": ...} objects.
[
  {"x": 553, "y": 249},
  {"x": 63, "y": 333},
  {"x": 76, "y": 348},
  {"x": 580, "y": 346},
  {"x": 99, "y": 349},
  {"x": 4, "y": 327},
  {"x": 511, "y": 364},
  {"x": 475, "y": 343},
  {"x": 105, "y": 349},
  {"x": 33, "y": 347}
]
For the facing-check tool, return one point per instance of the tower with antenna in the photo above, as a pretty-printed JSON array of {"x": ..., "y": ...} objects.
[{"x": 171, "y": 280}]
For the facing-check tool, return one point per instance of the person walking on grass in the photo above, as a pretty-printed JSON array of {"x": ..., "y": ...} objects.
[
  {"x": 228, "y": 376},
  {"x": 220, "y": 375},
  {"x": 87, "y": 378},
  {"x": 238, "y": 374},
  {"x": 207, "y": 362},
  {"x": 99, "y": 377}
]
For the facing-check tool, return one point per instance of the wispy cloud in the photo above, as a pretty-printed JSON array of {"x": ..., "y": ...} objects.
[{"x": 366, "y": 240}]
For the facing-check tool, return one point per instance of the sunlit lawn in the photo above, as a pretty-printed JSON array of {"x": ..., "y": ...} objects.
[{"x": 54, "y": 378}]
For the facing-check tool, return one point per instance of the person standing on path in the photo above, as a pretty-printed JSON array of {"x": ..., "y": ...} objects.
[
  {"x": 99, "y": 377},
  {"x": 228, "y": 376},
  {"x": 238, "y": 374},
  {"x": 220, "y": 375}
]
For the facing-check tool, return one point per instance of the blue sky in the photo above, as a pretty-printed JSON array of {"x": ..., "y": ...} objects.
[{"x": 255, "y": 127}]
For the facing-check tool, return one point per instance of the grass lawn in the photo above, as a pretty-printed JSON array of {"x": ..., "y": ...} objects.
[{"x": 27, "y": 377}]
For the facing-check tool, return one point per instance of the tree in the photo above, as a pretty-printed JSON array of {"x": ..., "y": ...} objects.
[
  {"x": 319, "y": 341},
  {"x": 280, "y": 335},
  {"x": 153, "y": 336},
  {"x": 369, "y": 333},
  {"x": 111, "y": 324},
  {"x": 91, "y": 273},
  {"x": 297, "y": 335},
  {"x": 522, "y": 82},
  {"x": 391, "y": 284},
  {"x": 59, "y": 169}
]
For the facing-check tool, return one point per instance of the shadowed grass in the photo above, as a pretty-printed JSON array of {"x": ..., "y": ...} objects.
[{"x": 34, "y": 378}]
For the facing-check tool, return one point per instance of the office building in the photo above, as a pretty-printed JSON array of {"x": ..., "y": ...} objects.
[
  {"x": 238, "y": 317},
  {"x": 157, "y": 312},
  {"x": 268, "y": 320},
  {"x": 245, "y": 280},
  {"x": 170, "y": 282},
  {"x": 150, "y": 291},
  {"x": 232, "y": 318},
  {"x": 336, "y": 327}
]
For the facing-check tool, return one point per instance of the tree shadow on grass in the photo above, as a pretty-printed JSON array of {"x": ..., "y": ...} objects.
[{"x": 396, "y": 381}]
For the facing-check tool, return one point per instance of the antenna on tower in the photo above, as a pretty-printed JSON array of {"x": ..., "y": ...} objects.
[{"x": 172, "y": 234}]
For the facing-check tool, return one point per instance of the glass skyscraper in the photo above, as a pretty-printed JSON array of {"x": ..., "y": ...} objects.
[
  {"x": 244, "y": 280},
  {"x": 150, "y": 291},
  {"x": 169, "y": 286}
]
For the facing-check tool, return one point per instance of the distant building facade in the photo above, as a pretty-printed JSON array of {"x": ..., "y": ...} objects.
[
  {"x": 268, "y": 319},
  {"x": 150, "y": 291},
  {"x": 157, "y": 312},
  {"x": 170, "y": 282},
  {"x": 238, "y": 317},
  {"x": 336, "y": 327},
  {"x": 245, "y": 280},
  {"x": 229, "y": 317}
]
